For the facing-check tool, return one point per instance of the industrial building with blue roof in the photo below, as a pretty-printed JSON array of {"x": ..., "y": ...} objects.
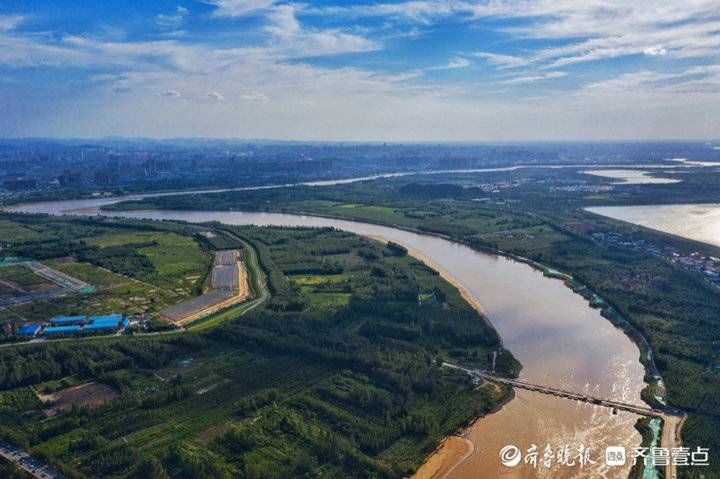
[
  {"x": 29, "y": 330},
  {"x": 76, "y": 324},
  {"x": 61, "y": 329},
  {"x": 68, "y": 319},
  {"x": 110, "y": 318},
  {"x": 99, "y": 326}
]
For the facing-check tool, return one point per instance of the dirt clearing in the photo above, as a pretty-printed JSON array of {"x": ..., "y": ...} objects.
[{"x": 91, "y": 394}]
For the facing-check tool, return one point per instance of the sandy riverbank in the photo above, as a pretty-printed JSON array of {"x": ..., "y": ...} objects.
[{"x": 450, "y": 454}]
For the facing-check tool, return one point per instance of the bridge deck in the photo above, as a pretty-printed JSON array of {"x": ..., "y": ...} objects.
[
  {"x": 575, "y": 396},
  {"x": 672, "y": 418}
]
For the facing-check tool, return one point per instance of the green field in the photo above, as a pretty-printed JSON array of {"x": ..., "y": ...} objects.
[
  {"x": 12, "y": 232},
  {"x": 368, "y": 208},
  {"x": 98, "y": 277},
  {"x": 21, "y": 276},
  {"x": 178, "y": 262}
]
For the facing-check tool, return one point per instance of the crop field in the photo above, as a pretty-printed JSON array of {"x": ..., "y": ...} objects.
[
  {"x": 99, "y": 277},
  {"x": 90, "y": 394},
  {"x": 331, "y": 291},
  {"x": 21, "y": 276},
  {"x": 368, "y": 212},
  {"x": 319, "y": 279},
  {"x": 368, "y": 208},
  {"x": 16, "y": 280},
  {"x": 12, "y": 232},
  {"x": 531, "y": 239},
  {"x": 176, "y": 259}
]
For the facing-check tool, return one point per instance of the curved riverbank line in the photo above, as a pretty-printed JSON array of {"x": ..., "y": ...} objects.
[
  {"x": 552, "y": 331},
  {"x": 491, "y": 300}
]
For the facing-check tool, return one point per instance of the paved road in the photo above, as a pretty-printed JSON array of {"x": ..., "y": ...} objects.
[{"x": 25, "y": 461}]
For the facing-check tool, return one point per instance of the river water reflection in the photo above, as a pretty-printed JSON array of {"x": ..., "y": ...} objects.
[{"x": 552, "y": 331}]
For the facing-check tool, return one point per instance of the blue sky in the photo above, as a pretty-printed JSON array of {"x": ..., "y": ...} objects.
[{"x": 418, "y": 70}]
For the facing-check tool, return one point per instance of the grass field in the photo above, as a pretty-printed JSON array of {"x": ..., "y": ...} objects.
[
  {"x": 12, "y": 232},
  {"x": 21, "y": 276},
  {"x": 178, "y": 261},
  {"x": 98, "y": 277},
  {"x": 369, "y": 208},
  {"x": 317, "y": 279},
  {"x": 17, "y": 280}
]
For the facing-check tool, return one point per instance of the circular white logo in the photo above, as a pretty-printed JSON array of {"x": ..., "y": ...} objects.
[{"x": 510, "y": 456}]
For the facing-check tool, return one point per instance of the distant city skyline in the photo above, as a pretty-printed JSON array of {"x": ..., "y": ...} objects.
[{"x": 396, "y": 71}]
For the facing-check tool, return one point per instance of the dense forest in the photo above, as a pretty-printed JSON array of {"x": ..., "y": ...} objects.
[{"x": 336, "y": 375}]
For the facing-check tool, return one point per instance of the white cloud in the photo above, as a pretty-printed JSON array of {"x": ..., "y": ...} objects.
[
  {"x": 502, "y": 61},
  {"x": 598, "y": 30},
  {"x": 591, "y": 30},
  {"x": 534, "y": 78},
  {"x": 650, "y": 82},
  {"x": 655, "y": 51},
  {"x": 171, "y": 94},
  {"x": 292, "y": 39},
  {"x": 422, "y": 11},
  {"x": 254, "y": 97},
  {"x": 10, "y": 22},
  {"x": 215, "y": 96},
  {"x": 455, "y": 63},
  {"x": 238, "y": 8},
  {"x": 286, "y": 38},
  {"x": 172, "y": 21}
]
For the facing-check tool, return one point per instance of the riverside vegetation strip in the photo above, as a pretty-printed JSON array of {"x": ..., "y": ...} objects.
[
  {"x": 337, "y": 373},
  {"x": 541, "y": 218}
]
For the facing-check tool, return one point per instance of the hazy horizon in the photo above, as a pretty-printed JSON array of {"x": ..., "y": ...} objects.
[{"x": 429, "y": 142}]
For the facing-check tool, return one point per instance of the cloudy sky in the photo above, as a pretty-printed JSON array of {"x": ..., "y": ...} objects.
[{"x": 415, "y": 70}]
